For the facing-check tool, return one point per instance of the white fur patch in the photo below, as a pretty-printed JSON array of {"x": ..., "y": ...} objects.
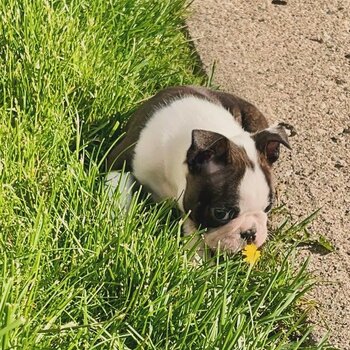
[
  {"x": 253, "y": 191},
  {"x": 160, "y": 154},
  {"x": 123, "y": 183}
]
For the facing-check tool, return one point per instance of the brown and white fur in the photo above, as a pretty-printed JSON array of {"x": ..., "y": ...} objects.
[{"x": 210, "y": 151}]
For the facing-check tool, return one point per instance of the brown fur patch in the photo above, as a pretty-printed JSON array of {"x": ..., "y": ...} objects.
[
  {"x": 240, "y": 157},
  {"x": 267, "y": 170}
]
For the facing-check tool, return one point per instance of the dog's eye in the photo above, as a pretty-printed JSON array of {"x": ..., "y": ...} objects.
[
  {"x": 224, "y": 214},
  {"x": 221, "y": 214}
]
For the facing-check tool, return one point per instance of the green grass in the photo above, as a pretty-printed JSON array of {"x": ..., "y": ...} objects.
[{"x": 74, "y": 274}]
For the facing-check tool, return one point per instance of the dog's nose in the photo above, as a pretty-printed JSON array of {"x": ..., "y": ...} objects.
[{"x": 249, "y": 235}]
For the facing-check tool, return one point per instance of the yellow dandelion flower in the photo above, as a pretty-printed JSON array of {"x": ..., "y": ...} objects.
[{"x": 252, "y": 254}]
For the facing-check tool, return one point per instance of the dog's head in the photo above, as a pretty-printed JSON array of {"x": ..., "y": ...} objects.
[{"x": 230, "y": 179}]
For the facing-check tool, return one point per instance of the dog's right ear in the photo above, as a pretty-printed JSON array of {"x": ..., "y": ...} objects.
[
  {"x": 208, "y": 151},
  {"x": 268, "y": 141}
]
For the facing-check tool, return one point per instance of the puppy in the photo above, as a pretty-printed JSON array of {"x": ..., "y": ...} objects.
[{"x": 210, "y": 151}]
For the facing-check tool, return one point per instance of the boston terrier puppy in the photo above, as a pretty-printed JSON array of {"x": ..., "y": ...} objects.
[{"x": 210, "y": 151}]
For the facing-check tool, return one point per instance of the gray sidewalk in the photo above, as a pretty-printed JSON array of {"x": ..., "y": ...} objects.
[{"x": 293, "y": 62}]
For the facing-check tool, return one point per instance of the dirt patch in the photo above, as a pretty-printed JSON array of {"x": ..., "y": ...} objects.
[{"x": 292, "y": 61}]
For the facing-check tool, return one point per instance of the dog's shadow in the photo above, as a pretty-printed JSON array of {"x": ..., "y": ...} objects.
[{"x": 94, "y": 138}]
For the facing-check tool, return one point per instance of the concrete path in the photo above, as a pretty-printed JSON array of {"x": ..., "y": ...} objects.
[{"x": 292, "y": 60}]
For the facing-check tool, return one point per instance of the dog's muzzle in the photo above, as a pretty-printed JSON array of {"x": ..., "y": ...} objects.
[{"x": 232, "y": 237}]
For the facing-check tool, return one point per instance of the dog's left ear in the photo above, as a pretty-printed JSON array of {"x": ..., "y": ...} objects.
[
  {"x": 268, "y": 141},
  {"x": 208, "y": 151}
]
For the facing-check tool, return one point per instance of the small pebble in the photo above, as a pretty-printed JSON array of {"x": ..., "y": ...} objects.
[{"x": 279, "y": 2}]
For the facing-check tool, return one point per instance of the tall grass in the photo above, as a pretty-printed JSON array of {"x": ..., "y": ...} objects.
[{"x": 76, "y": 273}]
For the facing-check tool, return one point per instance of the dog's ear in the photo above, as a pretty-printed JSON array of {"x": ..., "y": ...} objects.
[
  {"x": 208, "y": 151},
  {"x": 268, "y": 141}
]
